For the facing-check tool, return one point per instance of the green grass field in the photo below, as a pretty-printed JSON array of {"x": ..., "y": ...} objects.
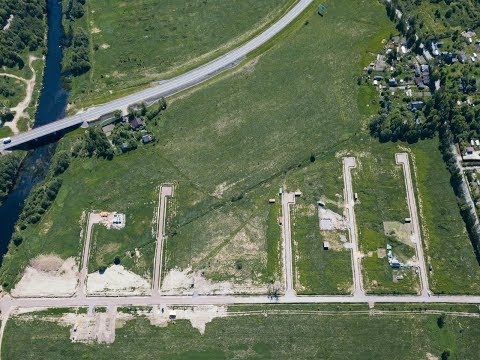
[
  {"x": 15, "y": 87},
  {"x": 229, "y": 144},
  {"x": 448, "y": 247},
  {"x": 380, "y": 185},
  {"x": 283, "y": 335},
  {"x": 134, "y": 43},
  {"x": 319, "y": 271}
]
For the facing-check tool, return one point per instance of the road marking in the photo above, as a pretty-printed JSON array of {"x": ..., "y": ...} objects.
[
  {"x": 165, "y": 191},
  {"x": 402, "y": 159},
  {"x": 350, "y": 163},
  {"x": 287, "y": 200}
]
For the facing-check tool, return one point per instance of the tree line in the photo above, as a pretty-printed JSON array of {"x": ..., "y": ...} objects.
[
  {"x": 76, "y": 41},
  {"x": 9, "y": 165}
]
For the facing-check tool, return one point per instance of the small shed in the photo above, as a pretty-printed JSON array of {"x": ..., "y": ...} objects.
[
  {"x": 280, "y": 220},
  {"x": 395, "y": 263},
  {"x": 146, "y": 138},
  {"x": 124, "y": 147},
  {"x": 408, "y": 220},
  {"x": 326, "y": 245},
  {"x": 320, "y": 203},
  {"x": 104, "y": 214},
  {"x": 298, "y": 193},
  {"x": 271, "y": 201},
  {"x": 355, "y": 196},
  {"x": 172, "y": 315}
]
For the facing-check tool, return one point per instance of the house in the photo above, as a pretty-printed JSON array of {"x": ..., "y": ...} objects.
[
  {"x": 416, "y": 67},
  {"x": 395, "y": 264},
  {"x": 419, "y": 83},
  {"x": 107, "y": 129},
  {"x": 427, "y": 55},
  {"x": 146, "y": 138},
  {"x": 415, "y": 105},
  {"x": 392, "y": 82},
  {"x": 136, "y": 123}
]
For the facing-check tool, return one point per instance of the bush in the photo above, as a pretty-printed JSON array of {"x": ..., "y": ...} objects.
[{"x": 441, "y": 321}]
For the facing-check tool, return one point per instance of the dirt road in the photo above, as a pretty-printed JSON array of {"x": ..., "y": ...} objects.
[
  {"x": 165, "y": 191},
  {"x": 93, "y": 218},
  {"x": 402, "y": 159},
  {"x": 287, "y": 200},
  {"x": 22, "y": 105},
  {"x": 350, "y": 163}
]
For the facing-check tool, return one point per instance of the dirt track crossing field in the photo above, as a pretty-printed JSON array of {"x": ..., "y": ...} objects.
[
  {"x": 402, "y": 159},
  {"x": 165, "y": 191}
]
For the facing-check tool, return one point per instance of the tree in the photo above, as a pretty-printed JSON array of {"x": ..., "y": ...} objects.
[
  {"x": 117, "y": 260},
  {"x": 445, "y": 354},
  {"x": 441, "y": 321}
]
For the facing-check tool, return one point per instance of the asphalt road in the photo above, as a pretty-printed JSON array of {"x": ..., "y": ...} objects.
[
  {"x": 402, "y": 159},
  {"x": 165, "y": 190},
  {"x": 166, "y": 88}
]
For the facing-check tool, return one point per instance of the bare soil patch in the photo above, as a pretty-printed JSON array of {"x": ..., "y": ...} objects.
[
  {"x": 48, "y": 276},
  {"x": 115, "y": 281}
]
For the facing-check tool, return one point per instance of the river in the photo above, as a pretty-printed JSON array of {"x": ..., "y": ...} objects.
[{"x": 51, "y": 107}]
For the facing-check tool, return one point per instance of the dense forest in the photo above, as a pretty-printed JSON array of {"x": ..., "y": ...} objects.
[
  {"x": 23, "y": 22},
  {"x": 8, "y": 171},
  {"x": 76, "y": 41}
]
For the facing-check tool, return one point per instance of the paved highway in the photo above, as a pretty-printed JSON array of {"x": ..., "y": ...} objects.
[{"x": 166, "y": 88}]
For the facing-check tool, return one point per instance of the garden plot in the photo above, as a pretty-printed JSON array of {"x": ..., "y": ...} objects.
[
  {"x": 113, "y": 240},
  {"x": 385, "y": 234},
  {"x": 322, "y": 255}
]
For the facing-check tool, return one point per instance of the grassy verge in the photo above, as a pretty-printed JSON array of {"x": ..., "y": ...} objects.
[{"x": 295, "y": 336}]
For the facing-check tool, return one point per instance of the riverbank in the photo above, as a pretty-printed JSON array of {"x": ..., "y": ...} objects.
[{"x": 52, "y": 100}]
